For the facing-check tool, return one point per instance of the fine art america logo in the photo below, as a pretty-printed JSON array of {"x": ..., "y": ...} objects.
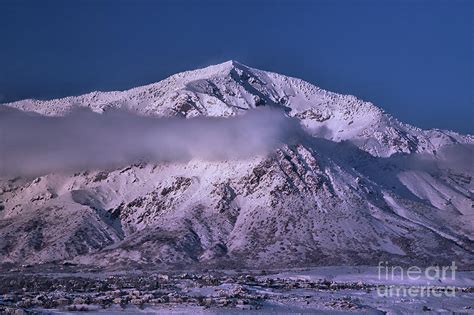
[{"x": 414, "y": 281}]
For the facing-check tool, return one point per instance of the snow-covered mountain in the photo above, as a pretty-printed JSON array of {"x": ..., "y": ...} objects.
[{"x": 362, "y": 188}]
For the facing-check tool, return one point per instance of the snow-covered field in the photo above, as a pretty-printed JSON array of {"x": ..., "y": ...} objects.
[{"x": 327, "y": 290}]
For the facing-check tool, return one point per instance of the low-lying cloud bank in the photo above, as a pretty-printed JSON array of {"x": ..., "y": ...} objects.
[{"x": 33, "y": 145}]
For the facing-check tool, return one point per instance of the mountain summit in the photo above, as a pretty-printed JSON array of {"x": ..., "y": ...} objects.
[
  {"x": 231, "y": 88},
  {"x": 362, "y": 188}
]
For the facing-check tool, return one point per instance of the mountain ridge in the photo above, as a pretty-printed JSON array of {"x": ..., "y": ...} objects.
[
  {"x": 220, "y": 68},
  {"x": 209, "y": 91}
]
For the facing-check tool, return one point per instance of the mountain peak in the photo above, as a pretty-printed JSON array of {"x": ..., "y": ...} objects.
[
  {"x": 220, "y": 68},
  {"x": 238, "y": 64},
  {"x": 233, "y": 63}
]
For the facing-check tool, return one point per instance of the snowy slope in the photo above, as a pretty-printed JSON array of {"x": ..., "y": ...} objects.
[{"x": 363, "y": 188}]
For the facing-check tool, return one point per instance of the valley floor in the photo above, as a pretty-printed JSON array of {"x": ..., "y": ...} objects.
[{"x": 329, "y": 290}]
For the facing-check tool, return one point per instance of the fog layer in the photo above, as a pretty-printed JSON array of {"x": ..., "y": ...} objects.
[{"x": 32, "y": 145}]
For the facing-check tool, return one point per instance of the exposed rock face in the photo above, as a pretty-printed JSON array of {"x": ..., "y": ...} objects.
[{"x": 346, "y": 195}]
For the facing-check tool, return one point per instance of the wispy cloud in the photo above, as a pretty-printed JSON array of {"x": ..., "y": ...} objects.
[{"x": 33, "y": 145}]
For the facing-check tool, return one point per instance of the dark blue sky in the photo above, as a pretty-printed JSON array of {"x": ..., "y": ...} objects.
[{"x": 415, "y": 59}]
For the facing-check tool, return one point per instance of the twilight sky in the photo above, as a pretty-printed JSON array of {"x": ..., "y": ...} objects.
[{"x": 414, "y": 58}]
